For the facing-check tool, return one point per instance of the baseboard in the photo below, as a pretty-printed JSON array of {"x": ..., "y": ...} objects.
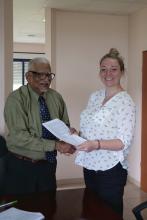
[
  {"x": 132, "y": 180},
  {"x": 79, "y": 183},
  {"x": 70, "y": 183}
]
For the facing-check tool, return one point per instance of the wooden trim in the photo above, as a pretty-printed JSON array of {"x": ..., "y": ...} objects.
[{"x": 70, "y": 183}]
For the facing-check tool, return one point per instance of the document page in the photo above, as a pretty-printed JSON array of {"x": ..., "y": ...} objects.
[
  {"x": 61, "y": 131},
  {"x": 18, "y": 214}
]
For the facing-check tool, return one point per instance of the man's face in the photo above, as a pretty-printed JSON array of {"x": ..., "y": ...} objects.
[{"x": 40, "y": 78}]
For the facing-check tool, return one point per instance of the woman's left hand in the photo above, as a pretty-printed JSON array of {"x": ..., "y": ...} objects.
[{"x": 88, "y": 146}]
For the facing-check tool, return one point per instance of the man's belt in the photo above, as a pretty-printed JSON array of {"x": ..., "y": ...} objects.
[{"x": 20, "y": 157}]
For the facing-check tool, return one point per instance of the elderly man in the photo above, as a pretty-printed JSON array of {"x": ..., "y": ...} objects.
[{"x": 32, "y": 149}]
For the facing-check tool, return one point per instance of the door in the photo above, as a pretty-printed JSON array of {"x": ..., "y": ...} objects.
[{"x": 144, "y": 125}]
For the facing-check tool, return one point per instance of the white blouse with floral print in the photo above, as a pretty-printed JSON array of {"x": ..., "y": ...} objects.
[{"x": 113, "y": 120}]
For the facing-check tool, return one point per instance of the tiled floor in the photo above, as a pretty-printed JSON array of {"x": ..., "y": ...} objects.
[{"x": 132, "y": 197}]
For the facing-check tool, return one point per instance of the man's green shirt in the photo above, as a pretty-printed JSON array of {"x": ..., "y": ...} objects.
[{"x": 23, "y": 120}]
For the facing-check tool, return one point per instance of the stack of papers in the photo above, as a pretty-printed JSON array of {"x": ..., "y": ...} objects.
[
  {"x": 17, "y": 214},
  {"x": 61, "y": 131}
]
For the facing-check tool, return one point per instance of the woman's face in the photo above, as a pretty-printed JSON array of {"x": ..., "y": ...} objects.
[{"x": 110, "y": 72}]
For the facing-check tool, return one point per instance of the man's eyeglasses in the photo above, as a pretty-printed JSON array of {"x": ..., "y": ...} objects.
[{"x": 50, "y": 76}]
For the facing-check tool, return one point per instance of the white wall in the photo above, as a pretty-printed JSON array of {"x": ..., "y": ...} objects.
[
  {"x": 137, "y": 44},
  {"x": 81, "y": 40},
  {"x": 29, "y": 47},
  {"x": 6, "y": 48}
]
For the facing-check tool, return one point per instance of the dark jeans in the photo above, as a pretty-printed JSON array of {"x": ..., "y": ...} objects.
[
  {"x": 108, "y": 185},
  {"x": 26, "y": 177}
]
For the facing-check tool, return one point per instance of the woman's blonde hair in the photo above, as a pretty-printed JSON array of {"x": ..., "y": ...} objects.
[{"x": 114, "y": 54}]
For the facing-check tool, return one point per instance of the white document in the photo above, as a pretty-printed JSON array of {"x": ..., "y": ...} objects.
[
  {"x": 61, "y": 131},
  {"x": 18, "y": 214}
]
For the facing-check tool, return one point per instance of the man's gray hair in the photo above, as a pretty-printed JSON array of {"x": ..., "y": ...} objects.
[{"x": 36, "y": 61}]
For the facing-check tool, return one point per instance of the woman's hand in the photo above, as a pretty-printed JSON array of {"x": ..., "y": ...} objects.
[{"x": 89, "y": 146}]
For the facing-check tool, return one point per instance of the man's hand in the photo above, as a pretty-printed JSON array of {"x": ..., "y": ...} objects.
[
  {"x": 65, "y": 148},
  {"x": 73, "y": 131}
]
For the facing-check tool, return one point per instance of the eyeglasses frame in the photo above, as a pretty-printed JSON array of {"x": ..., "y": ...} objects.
[{"x": 40, "y": 75}]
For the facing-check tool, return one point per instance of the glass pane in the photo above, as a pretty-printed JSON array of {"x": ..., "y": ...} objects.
[
  {"x": 25, "y": 70},
  {"x": 17, "y": 75}
]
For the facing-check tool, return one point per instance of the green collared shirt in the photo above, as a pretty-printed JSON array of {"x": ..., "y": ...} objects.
[{"x": 24, "y": 123}]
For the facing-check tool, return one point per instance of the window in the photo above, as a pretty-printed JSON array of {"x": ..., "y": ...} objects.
[{"x": 20, "y": 67}]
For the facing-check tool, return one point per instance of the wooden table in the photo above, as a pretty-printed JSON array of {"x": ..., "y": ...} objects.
[{"x": 73, "y": 204}]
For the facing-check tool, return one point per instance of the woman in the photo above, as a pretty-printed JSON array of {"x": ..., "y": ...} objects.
[{"x": 108, "y": 124}]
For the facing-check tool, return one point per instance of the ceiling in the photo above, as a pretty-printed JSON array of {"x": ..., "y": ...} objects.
[{"x": 28, "y": 15}]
